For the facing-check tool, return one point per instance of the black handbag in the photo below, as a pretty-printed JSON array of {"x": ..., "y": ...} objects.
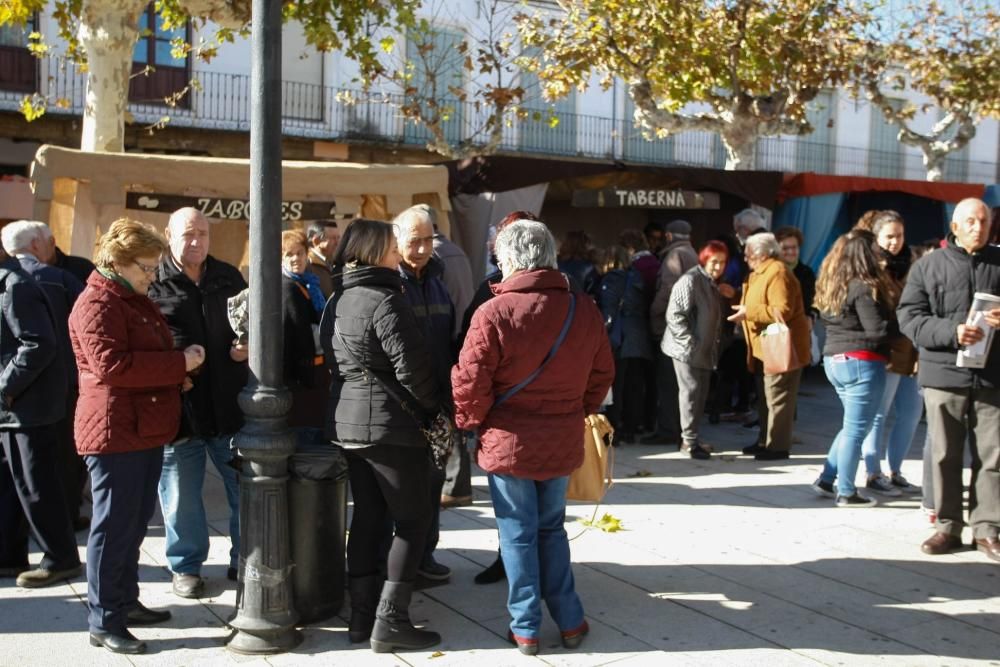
[{"x": 439, "y": 432}]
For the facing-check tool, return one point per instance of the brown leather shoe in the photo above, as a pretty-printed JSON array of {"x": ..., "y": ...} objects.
[
  {"x": 448, "y": 502},
  {"x": 989, "y": 546},
  {"x": 941, "y": 543}
]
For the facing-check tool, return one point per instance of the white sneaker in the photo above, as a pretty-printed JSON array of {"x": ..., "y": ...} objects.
[{"x": 882, "y": 486}]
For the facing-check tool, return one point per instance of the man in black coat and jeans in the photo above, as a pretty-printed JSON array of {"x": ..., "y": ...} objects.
[
  {"x": 28, "y": 241},
  {"x": 192, "y": 289},
  {"x": 962, "y": 403},
  {"x": 32, "y": 401}
]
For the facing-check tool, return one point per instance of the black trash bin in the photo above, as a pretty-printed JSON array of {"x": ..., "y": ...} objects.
[{"x": 317, "y": 517}]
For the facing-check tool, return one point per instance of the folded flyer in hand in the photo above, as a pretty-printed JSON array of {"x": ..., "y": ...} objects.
[{"x": 975, "y": 355}]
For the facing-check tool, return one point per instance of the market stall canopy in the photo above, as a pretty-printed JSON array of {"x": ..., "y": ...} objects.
[
  {"x": 503, "y": 173},
  {"x": 79, "y": 194},
  {"x": 810, "y": 184}
]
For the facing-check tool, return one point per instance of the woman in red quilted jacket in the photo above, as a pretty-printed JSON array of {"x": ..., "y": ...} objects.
[
  {"x": 130, "y": 405},
  {"x": 531, "y": 442}
]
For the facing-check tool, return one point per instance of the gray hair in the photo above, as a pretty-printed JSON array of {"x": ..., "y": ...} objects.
[
  {"x": 750, "y": 217},
  {"x": 763, "y": 245},
  {"x": 316, "y": 230},
  {"x": 17, "y": 236},
  {"x": 525, "y": 245},
  {"x": 419, "y": 213}
]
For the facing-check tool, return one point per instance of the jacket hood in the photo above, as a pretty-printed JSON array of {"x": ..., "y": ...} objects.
[
  {"x": 952, "y": 244},
  {"x": 673, "y": 245},
  {"x": 532, "y": 281},
  {"x": 372, "y": 276}
]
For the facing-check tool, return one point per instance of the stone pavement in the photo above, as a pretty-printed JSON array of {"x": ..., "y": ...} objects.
[{"x": 721, "y": 562}]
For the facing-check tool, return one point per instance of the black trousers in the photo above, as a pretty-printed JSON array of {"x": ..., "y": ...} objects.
[
  {"x": 31, "y": 497},
  {"x": 389, "y": 484},
  {"x": 630, "y": 391},
  {"x": 124, "y": 489},
  {"x": 458, "y": 471},
  {"x": 668, "y": 420},
  {"x": 71, "y": 467},
  {"x": 434, "y": 529}
]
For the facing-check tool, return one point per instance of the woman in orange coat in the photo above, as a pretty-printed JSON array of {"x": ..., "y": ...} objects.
[{"x": 771, "y": 294}]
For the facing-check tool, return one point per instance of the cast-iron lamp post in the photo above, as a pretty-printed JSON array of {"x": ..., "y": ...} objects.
[{"x": 265, "y": 612}]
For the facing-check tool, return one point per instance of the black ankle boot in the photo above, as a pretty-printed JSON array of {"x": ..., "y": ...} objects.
[
  {"x": 364, "y": 600},
  {"x": 393, "y": 630},
  {"x": 493, "y": 573}
]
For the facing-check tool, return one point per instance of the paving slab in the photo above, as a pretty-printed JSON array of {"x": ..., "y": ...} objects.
[{"x": 723, "y": 562}]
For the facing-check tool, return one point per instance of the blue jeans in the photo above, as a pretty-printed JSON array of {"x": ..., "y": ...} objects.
[
  {"x": 183, "y": 508},
  {"x": 860, "y": 385},
  {"x": 902, "y": 393},
  {"x": 530, "y": 517}
]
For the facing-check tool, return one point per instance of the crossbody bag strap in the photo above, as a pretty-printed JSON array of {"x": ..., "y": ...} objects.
[
  {"x": 548, "y": 357},
  {"x": 371, "y": 374}
]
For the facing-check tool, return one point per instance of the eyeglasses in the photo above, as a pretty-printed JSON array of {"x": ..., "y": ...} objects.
[{"x": 148, "y": 270}]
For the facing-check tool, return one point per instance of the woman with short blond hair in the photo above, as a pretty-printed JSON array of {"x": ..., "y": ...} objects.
[{"x": 131, "y": 380}]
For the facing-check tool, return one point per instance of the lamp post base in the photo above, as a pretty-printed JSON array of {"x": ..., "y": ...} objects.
[{"x": 279, "y": 640}]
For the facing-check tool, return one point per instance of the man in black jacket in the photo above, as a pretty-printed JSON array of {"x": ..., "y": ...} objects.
[
  {"x": 424, "y": 289},
  {"x": 960, "y": 402},
  {"x": 32, "y": 401},
  {"x": 29, "y": 241},
  {"x": 191, "y": 290}
]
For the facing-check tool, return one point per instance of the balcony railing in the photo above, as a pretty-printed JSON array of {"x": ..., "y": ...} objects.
[{"x": 222, "y": 102}]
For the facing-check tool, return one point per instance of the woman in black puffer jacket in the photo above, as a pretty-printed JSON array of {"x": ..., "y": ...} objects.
[{"x": 379, "y": 358}]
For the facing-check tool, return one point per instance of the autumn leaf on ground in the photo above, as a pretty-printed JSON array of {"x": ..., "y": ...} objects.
[
  {"x": 641, "y": 473},
  {"x": 607, "y": 523}
]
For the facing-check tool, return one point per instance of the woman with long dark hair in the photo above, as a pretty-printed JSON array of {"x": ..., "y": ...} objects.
[
  {"x": 383, "y": 387},
  {"x": 854, "y": 298},
  {"x": 902, "y": 393}
]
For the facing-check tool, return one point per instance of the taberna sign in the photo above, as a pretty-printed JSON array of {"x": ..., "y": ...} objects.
[
  {"x": 645, "y": 198},
  {"x": 228, "y": 209}
]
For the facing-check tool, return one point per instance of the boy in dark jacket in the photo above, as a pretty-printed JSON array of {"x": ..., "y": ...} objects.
[{"x": 932, "y": 312}]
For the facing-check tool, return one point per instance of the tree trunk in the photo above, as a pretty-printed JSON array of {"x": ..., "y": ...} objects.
[
  {"x": 739, "y": 157},
  {"x": 739, "y": 136},
  {"x": 108, "y": 33},
  {"x": 934, "y": 164}
]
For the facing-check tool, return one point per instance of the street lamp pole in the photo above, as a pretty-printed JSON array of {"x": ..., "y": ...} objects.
[{"x": 265, "y": 613}]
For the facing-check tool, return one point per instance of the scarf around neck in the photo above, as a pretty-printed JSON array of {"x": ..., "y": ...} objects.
[
  {"x": 310, "y": 282},
  {"x": 111, "y": 275}
]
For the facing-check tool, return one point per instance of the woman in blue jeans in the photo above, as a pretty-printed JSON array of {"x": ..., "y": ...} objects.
[
  {"x": 532, "y": 438},
  {"x": 902, "y": 393},
  {"x": 854, "y": 298}
]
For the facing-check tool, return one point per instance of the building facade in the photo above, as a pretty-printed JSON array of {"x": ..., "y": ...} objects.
[{"x": 209, "y": 108}]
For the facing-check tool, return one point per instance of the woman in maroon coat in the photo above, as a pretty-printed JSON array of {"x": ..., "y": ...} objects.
[
  {"x": 130, "y": 405},
  {"x": 531, "y": 442}
]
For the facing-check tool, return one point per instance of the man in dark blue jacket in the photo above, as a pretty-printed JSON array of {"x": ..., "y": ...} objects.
[
  {"x": 962, "y": 403},
  {"x": 425, "y": 291},
  {"x": 32, "y": 401},
  {"x": 28, "y": 241},
  {"x": 192, "y": 289}
]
